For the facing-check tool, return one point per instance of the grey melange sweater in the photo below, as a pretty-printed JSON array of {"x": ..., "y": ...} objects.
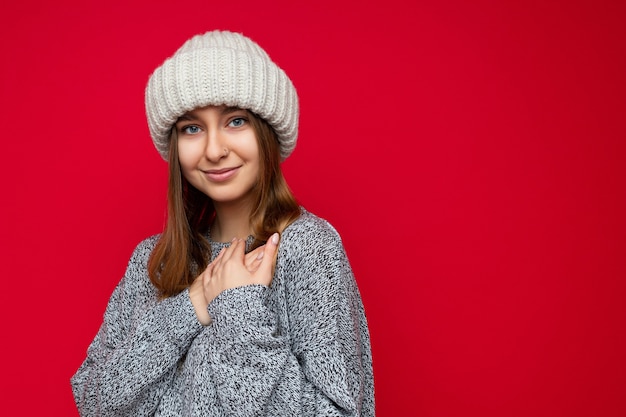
[{"x": 298, "y": 348}]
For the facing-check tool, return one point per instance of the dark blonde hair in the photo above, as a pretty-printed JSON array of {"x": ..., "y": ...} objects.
[{"x": 183, "y": 250}]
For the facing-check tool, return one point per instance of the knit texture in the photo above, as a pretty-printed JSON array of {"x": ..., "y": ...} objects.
[
  {"x": 221, "y": 68},
  {"x": 300, "y": 347}
]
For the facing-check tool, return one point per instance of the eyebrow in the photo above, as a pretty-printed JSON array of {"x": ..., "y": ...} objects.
[
  {"x": 186, "y": 117},
  {"x": 228, "y": 110},
  {"x": 225, "y": 111}
]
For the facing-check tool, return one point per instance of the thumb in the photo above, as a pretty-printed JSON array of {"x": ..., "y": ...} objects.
[{"x": 269, "y": 257}]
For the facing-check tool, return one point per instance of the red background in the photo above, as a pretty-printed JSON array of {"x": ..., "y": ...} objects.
[{"x": 471, "y": 154}]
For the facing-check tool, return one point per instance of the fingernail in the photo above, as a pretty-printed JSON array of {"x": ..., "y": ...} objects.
[
  {"x": 275, "y": 238},
  {"x": 233, "y": 240},
  {"x": 260, "y": 255}
]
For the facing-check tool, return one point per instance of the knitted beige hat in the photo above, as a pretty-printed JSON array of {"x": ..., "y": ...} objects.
[{"x": 221, "y": 68}]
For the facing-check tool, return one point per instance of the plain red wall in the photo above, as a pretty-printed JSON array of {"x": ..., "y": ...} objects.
[{"x": 471, "y": 154}]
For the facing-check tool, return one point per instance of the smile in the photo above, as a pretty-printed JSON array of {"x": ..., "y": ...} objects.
[{"x": 220, "y": 175}]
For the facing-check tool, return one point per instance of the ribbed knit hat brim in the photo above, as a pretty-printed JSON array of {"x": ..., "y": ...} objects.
[{"x": 221, "y": 68}]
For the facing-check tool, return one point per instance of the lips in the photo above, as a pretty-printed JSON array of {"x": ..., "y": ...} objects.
[{"x": 220, "y": 175}]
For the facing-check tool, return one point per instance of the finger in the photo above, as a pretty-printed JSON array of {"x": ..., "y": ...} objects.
[
  {"x": 239, "y": 251},
  {"x": 254, "y": 257},
  {"x": 216, "y": 260},
  {"x": 228, "y": 253},
  {"x": 212, "y": 266},
  {"x": 254, "y": 253},
  {"x": 207, "y": 271},
  {"x": 256, "y": 262},
  {"x": 269, "y": 258}
]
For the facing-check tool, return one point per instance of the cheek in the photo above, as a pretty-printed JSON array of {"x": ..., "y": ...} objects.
[
  {"x": 186, "y": 157},
  {"x": 255, "y": 162},
  {"x": 251, "y": 150}
]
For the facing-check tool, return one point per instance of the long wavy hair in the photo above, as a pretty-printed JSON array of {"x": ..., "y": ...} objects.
[{"x": 183, "y": 251}]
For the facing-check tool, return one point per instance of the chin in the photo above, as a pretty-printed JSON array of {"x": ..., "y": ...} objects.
[{"x": 227, "y": 198}]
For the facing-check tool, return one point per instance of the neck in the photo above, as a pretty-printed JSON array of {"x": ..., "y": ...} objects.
[{"x": 232, "y": 220}]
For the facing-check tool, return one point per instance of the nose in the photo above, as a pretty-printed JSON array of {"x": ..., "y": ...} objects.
[{"x": 215, "y": 146}]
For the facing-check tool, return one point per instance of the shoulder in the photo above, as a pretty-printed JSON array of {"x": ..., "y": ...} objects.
[
  {"x": 142, "y": 251},
  {"x": 309, "y": 226},
  {"x": 134, "y": 290},
  {"x": 136, "y": 277},
  {"x": 310, "y": 238},
  {"x": 312, "y": 263}
]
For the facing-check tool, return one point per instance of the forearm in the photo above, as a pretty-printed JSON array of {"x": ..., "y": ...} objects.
[
  {"x": 130, "y": 375},
  {"x": 256, "y": 372}
]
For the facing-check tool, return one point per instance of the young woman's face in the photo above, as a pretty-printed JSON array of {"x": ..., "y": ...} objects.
[{"x": 219, "y": 153}]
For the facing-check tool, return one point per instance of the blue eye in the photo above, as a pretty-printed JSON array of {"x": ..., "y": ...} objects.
[
  {"x": 237, "y": 122},
  {"x": 190, "y": 130}
]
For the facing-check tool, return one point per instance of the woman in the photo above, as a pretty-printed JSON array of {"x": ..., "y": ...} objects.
[{"x": 246, "y": 303}]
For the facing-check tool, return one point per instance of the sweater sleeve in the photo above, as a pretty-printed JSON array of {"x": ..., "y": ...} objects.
[
  {"x": 131, "y": 361},
  {"x": 322, "y": 365}
]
